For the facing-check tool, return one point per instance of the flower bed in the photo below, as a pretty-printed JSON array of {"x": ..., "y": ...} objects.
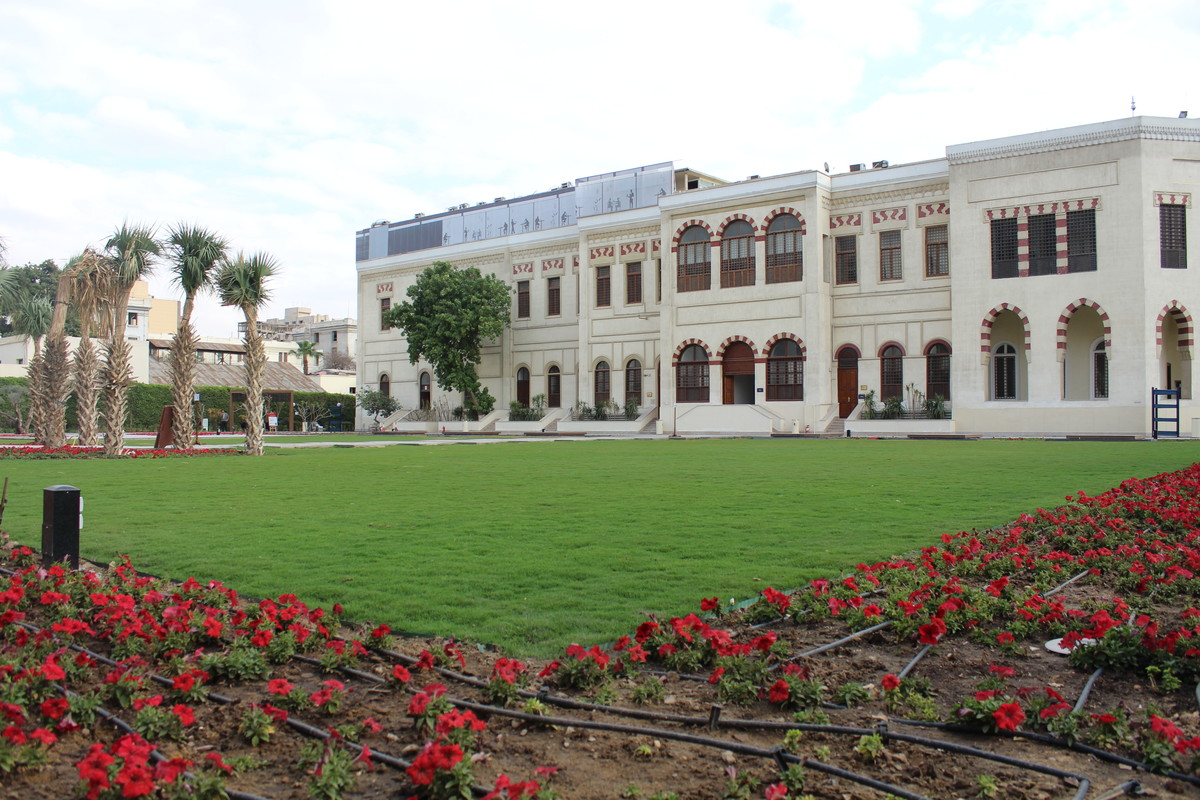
[
  {"x": 71, "y": 451},
  {"x": 879, "y": 672}
]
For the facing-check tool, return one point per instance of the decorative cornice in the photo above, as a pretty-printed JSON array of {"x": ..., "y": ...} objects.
[
  {"x": 1088, "y": 137},
  {"x": 879, "y": 198},
  {"x": 538, "y": 252},
  {"x": 607, "y": 237}
]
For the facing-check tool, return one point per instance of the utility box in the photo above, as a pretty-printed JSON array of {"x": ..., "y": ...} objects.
[{"x": 62, "y": 517}]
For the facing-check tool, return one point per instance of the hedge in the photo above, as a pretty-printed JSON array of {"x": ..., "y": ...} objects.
[{"x": 146, "y": 401}]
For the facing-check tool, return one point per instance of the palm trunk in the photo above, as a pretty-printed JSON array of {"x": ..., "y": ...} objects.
[
  {"x": 54, "y": 390},
  {"x": 37, "y": 414},
  {"x": 87, "y": 367},
  {"x": 118, "y": 374},
  {"x": 255, "y": 362},
  {"x": 183, "y": 383}
]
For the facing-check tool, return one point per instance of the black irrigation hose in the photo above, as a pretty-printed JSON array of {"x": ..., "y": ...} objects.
[
  {"x": 703, "y": 741},
  {"x": 1129, "y": 788},
  {"x": 915, "y": 660},
  {"x": 155, "y": 755},
  {"x": 1066, "y": 583},
  {"x": 1087, "y": 689},
  {"x": 1054, "y": 741},
  {"x": 839, "y": 642}
]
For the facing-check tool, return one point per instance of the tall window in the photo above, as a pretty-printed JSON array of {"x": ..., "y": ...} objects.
[
  {"x": 1099, "y": 371},
  {"x": 603, "y": 287},
  {"x": 603, "y": 387},
  {"x": 1004, "y": 372},
  {"x": 937, "y": 251},
  {"x": 633, "y": 381},
  {"x": 426, "y": 396},
  {"x": 633, "y": 283},
  {"x": 385, "y": 305},
  {"x": 694, "y": 260},
  {"x": 785, "y": 250},
  {"x": 737, "y": 255},
  {"x": 691, "y": 375},
  {"x": 891, "y": 372},
  {"x": 658, "y": 281},
  {"x": 1172, "y": 231},
  {"x": 785, "y": 371},
  {"x": 385, "y": 385},
  {"x": 522, "y": 299},
  {"x": 523, "y": 386},
  {"x": 847, "y": 259},
  {"x": 1004, "y": 248},
  {"x": 937, "y": 371},
  {"x": 1081, "y": 241},
  {"x": 889, "y": 256},
  {"x": 1043, "y": 245},
  {"x": 554, "y": 297},
  {"x": 553, "y": 387}
]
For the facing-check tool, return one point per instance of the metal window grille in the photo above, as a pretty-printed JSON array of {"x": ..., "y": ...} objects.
[
  {"x": 633, "y": 381},
  {"x": 1004, "y": 248},
  {"x": 633, "y": 282},
  {"x": 1173, "y": 236},
  {"x": 889, "y": 256},
  {"x": 1005, "y": 374},
  {"x": 522, "y": 299},
  {"x": 694, "y": 267},
  {"x": 937, "y": 372},
  {"x": 554, "y": 297},
  {"x": 785, "y": 372},
  {"x": 891, "y": 373},
  {"x": 847, "y": 259},
  {"x": 691, "y": 376},
  {"x": 1100, "y": 373},
  {"x": 785, "y": 256},
  {"x": 1043, "y": 245},
  {"x": 1081, "y": 241},
  {"x": 603, "y": 388},
  {"x": 603, "y": 287},
  {"x": 937, "y": 251}
]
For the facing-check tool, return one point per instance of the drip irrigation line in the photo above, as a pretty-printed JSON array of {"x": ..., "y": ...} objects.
[
  {"x": 155, "y": 755},
  {"x": 1129, "y": 788},
  {"x": 915, "y": 660},
  {"x": 1087, "y": 689},
  {"x": 1066, "y": 583},
  {"x": 703, "y": 741},
  {"x": 1053, "y": 741},
  {"x": 839, "y": 642}
]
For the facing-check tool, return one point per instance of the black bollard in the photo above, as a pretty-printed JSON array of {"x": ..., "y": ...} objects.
[{"x": 62, "y": 517}]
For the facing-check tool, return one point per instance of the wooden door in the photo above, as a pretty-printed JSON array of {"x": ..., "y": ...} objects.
[
  {"x": 847, "y": 381},
  {"x": 738, "y": 360}
]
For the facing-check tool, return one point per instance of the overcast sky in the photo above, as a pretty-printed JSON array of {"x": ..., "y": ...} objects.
[{"x": 287, "y": 126}]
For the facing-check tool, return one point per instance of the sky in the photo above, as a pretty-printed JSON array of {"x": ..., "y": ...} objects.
[{"x": 288, "y": 126}]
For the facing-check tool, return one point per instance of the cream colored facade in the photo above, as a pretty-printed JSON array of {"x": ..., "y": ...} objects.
[{"x": 1071, "y": 343}]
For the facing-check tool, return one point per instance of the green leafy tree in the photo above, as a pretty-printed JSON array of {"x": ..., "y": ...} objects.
[
  {"x": 449, "y": 314},
  {"x": 376, "y": 403},
  {"x": 31, "y": 280},
  {"x": 243, "y": 283}
]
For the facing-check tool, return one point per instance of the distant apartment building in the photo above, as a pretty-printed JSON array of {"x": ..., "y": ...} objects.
[{"x": 298, "y": 324}]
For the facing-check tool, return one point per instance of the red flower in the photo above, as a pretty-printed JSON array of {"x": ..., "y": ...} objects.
[
  {"x": 1008, "y": 716},
  {"x": 776, "y": 791},
  {"x": 890, "y": 683},
  {"x": 425, "y": 660},
  {"x": 1005, "y": 638},
  {"x": 185, "y": 714},
  {"x": 779, "y": 691},
  {"x": 716, "y": 675},
  {"x": 400, "y": 673},
  {"x": 54, "y": 709},
  {"x": 932, "y": 631},
  {"x": 280, "y": 686},
  {"x": 219, "y": 763},
  {"x": 709, "y": 604},
  {"x": 380, "y": 632},
  {"x": 1003, "y": 672}
]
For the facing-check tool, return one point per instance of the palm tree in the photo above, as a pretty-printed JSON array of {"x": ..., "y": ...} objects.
[
  {"x": 31, "y": 317},
  {"x": 53, "y": 384},
  {"x": 132, "y": 249},
  {"x": 91, "y": 286},
  {"x": 243, "y": 283},
  {"x": 194, "y": 253},
  {"x": 307, "y": 350}
]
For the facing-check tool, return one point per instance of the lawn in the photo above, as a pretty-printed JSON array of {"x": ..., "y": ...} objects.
[{"x": 534, "y": 544}]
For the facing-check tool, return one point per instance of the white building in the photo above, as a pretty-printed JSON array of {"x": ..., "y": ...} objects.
[
  {"x": 301, "y": 325},
  {"x": 1038, "y": 284}
]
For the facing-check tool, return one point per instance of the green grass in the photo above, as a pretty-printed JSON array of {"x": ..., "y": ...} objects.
[{"x": 534, "y": 545}]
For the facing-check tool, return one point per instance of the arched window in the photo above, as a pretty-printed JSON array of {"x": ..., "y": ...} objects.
[
  {"x": 693, "y": 257},
  {"x": 785, "y": 250},
  {"x": 691, "y": 375},
  {"x": 891, "y": 373},
  {"x": 1004, "y": 372},
  {"x": 785, "y": 371},
  {"x": 937, "y": 371},
  {"x": 737, "y": 254},
  {"x": 523, "y": 386},
  {"x": 1099, "y": 371},
  {"x": 426, "y": 391},
  {"x": 633, "y": 381},
  {"x": 553, "y": 388},
  {"x": 385, "y": 385},
  {"x": 603, "y": 387}
]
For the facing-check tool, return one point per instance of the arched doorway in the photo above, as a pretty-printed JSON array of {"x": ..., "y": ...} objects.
[
  {"x": 553, "y": 388},
  {"x": 426, "y": 391},
  {"x": 847, "y": 380},
  {"x": 523, "y": 387},
  {"x": 737, "y": 370}
]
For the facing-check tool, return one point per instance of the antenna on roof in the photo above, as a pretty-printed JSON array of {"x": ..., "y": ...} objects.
[{"x": 1132, "y": 105}]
